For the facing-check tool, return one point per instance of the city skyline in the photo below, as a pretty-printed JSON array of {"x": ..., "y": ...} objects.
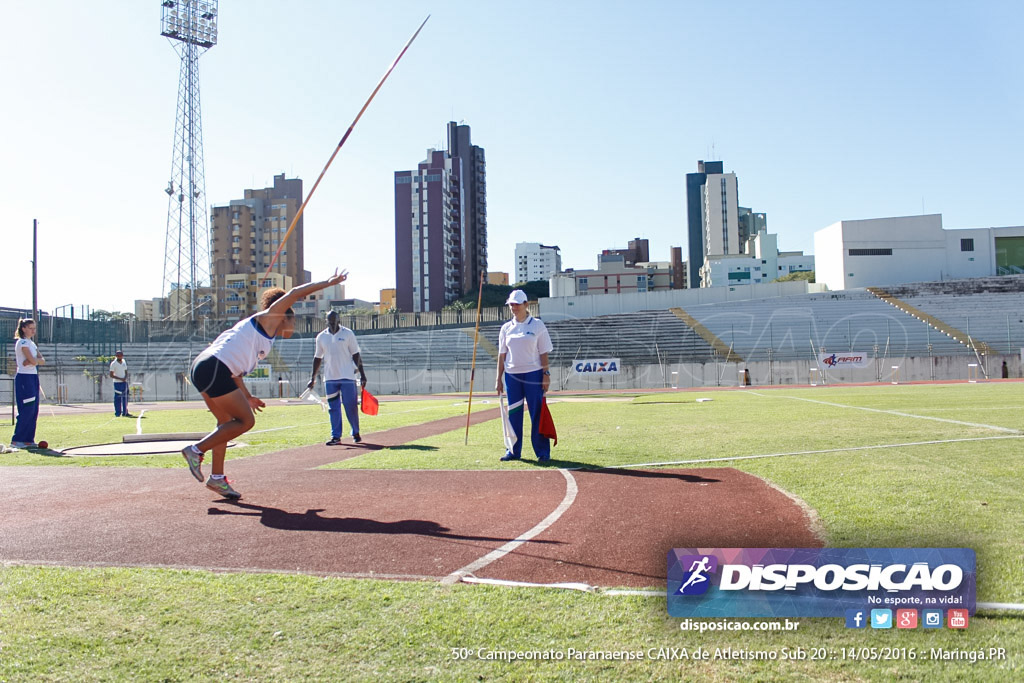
[{"x": 591, "y": 120}]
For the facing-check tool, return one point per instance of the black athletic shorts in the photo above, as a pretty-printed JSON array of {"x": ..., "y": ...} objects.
[{"x": 212, "y": 377}]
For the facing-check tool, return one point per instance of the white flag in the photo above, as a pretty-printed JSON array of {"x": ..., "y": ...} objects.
[
  {"x": 506, "y": 426},
  {"x": 310, "y": 395}
]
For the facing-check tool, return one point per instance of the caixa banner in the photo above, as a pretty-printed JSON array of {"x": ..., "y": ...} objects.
[
  {"x": 817, "y": 582},
  {"x": 597, "y": 366}
]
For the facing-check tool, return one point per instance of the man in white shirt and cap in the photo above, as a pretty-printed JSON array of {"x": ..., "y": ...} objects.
[
  {"x": 119, "y": 373},
  {"x": 337, "y": 348}
]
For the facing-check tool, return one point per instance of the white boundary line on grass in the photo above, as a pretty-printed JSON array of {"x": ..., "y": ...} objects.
[
  {"x": 570, "y": 496},
  {"x": 587, "y": 588},
  {"x": 138, "y": 422},
  {"x": 891, "y": 412},
  {"x": 827, "y": 450}
]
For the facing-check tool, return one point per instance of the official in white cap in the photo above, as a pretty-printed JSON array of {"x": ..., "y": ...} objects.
[{"x": 523, "y": 348}]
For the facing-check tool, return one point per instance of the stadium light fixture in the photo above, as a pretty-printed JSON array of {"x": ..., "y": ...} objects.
[{"x": 190, "y": 21}]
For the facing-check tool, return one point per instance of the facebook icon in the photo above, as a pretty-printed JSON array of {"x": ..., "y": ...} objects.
[{"x": 856, "y": 618}]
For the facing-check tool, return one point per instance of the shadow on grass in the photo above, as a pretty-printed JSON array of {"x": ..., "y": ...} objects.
[
  {"x": 621, "y": 471},
  {"x": 310, "y": 520},
  {"x": 49, "y": 453}
]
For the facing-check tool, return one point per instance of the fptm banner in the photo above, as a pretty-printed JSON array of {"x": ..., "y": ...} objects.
[
  {"x": 845, "y": 360},
  {"x": 816, "y": 582}
]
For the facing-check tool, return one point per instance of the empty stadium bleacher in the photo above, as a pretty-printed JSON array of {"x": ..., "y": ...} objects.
[{"x": 779, "y": 329}]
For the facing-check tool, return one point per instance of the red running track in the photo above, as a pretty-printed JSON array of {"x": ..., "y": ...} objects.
[{"x": 391, "y": 524}]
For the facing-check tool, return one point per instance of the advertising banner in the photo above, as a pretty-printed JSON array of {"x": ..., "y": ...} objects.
[
  {"x": 261, "y": 373},
  {"x": 817, "y": 582},
  {"x": 845, "y": 360},
  {"x": 596, "y": 366}
]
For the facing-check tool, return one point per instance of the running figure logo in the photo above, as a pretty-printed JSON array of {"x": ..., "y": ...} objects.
[{"x": 696, "y": 581}]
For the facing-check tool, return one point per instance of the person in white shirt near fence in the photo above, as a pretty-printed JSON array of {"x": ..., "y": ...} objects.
[
  {"x": 26, "y": 384},
  {"x": 119, "y": 373},
  {"x": 337, "y": 348}
]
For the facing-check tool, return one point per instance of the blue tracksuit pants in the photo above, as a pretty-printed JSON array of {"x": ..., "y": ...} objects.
[
  {"x": 26, "y": 394},
  {"x": 342, "y": 392},
  {"x": 120, "y": 398},
  {"x": 526, "y": 387}
]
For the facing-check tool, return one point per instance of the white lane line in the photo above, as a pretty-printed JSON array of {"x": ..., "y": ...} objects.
[
  {"x": 138, "y": 422},
  {"x": 1013, "y": 606},
  {"x": 99, "y": 426},
  {"x": 827, "y": 450},
  {"x": 570, "y": 495},
  {"x": 277, "y": 429},
  {"x": 585, "y": 587},
  {"x": 891, "y": 412}
]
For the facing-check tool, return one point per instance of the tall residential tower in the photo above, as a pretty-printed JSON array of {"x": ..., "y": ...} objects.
[
  {"x": 712, "y": 215},
  {"x": 246, "y": 235},
  {"x": 441, "y": 225}
]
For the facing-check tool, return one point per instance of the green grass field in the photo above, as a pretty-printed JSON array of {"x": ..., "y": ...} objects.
[{"x": 902, "y": 466}]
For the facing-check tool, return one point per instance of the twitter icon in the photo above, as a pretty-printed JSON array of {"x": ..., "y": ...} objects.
[{"x": 881, "y": 618}]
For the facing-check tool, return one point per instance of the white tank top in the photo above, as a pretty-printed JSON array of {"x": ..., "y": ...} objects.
[{"x": 241, "y": 347}]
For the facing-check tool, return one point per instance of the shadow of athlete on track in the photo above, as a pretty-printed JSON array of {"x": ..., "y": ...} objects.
[{"x": 310, "y": 520}]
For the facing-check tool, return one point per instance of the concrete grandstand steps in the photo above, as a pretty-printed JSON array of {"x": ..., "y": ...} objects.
[
  {"x": 707, "y": 335},
  {"x": 935, "y": 322},
  {"x": 653, "y": 337},
  {"x": 799, "y": 327},
  {"x": 994, "y": 284}
]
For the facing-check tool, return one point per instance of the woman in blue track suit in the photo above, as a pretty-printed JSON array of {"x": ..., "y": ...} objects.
[
  {"x": 26, "y": 384},
  {"x": 523, "y": 348}
]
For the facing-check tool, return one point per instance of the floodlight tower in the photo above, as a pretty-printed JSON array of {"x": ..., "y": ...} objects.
[{"x": 191, "y": 26}]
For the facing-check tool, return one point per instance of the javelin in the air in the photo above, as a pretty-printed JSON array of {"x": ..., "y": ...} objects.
[{"x": 337, "y": 149}]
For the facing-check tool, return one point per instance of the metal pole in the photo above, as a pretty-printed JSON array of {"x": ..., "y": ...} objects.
[
  {"x": 476, "y": 339},
  {"x": 35, "y": 298}
]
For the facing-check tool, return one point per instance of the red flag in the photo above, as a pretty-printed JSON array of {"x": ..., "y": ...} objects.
[
  {"x": 369, "y": 403},
  {"x": 545, "y": 425}
]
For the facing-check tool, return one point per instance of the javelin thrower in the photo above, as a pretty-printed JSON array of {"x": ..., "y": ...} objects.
[{"x": 218, "y": 371}]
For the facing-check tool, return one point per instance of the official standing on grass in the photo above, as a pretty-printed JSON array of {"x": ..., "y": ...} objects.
[
  {"x": 337, "y": 348},
  {"x": 119, "y": 373},
  {"x": 219, "y": 371},
  {"x": 523, "y": 348},
  {"x": 26, "y": 384}
]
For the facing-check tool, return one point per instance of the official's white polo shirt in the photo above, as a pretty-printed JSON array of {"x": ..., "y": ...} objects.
[
  {"x": 120, "y": 370},
  {"x": 337, "y": 350},
  {"x": 522, "y": 343}
]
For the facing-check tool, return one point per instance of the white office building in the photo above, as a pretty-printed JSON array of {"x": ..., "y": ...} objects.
[
  {"x": 889, "y": 251},
  {"x": 720, "y": 210},
  {"x": 536, "y": 261},
  {"x": 761, "y": 262}
]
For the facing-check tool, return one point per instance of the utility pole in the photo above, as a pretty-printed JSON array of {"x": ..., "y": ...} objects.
[{"x": 35, "y": 290}]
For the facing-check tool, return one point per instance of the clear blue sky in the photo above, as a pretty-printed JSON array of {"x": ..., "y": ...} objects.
[{"x": 591, "y": 114}]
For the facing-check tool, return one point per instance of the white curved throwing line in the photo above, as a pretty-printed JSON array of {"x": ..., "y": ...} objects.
[
  {"x": 570, "y": 496},
  {"x": 138, "y": 422}
]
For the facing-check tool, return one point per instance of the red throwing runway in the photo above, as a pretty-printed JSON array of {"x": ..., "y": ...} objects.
[{"x": 609, "y": 527}]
